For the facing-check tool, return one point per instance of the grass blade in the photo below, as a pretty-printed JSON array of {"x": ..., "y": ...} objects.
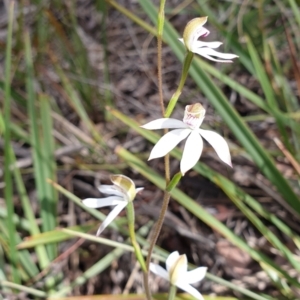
[
  {"x": 33, "y": 227},
  {"x": 48, "y": 162},
  {"x": 8, "y": 189},
  {"x": 267, "y": 88},
  {"x": 23, "y": 288},
  {"x": 37, "y": 149}
]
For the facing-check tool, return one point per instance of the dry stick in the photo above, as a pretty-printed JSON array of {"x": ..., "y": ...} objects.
[{"x": 160, "y": 26}]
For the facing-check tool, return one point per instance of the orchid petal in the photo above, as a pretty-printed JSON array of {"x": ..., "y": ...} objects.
[
  {"x": 160, "y": 271},
  {"x": 208, "y": 52},
  {"x": 137, "y": 190},
  {"x": 219, "y": 144},
  {"x": 191, "y": 152},
  {"x": 212, "y": 52},
  {"x": 213, "y": 59},
  {"x": 168, "y": 142},
  {"x": 199, "y": 44},
  {"x": 102, "y": 202},
  {"x": 171, "y": 260},
  {"x": 200, "y": 32},
  {"x": 164, "y": 123},
  {"x": 189, "y": 289},
  {"x": 203, "y": 32},
  {"x": 195, "y": 275},
  {"x": 110, "y": 190},
  {"x": 181, "y": 40},
  {"x": 111, "y": 216}
]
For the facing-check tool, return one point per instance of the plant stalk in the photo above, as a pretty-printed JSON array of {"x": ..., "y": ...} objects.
[
  {"x": 160, "y": 28},
  {"x": 172, "y": 292},
  {"x": 136, "y": 246},
  {"x": 186, "y": 65}
]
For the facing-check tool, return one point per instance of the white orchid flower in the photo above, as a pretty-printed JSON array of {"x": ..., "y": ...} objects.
[
  {"x": 178, "y": 275},
  {"x": 188, "y": 128},
  {"x": 194, "y": 30},
  {"x": 123, "y": 191}
]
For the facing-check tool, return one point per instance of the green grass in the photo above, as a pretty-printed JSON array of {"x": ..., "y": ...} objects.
[{"x": 50, "y": 100}]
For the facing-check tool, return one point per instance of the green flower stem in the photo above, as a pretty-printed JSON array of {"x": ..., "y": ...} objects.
[
  {"x": 172, "y": 292},
  {"x": 186, "y": 65},
  {"x": 160, "y": 29},
  {"x": 167, "y": 164},
  {"x": 173, "y": 183},
  {"x": 136, "y": 246}
]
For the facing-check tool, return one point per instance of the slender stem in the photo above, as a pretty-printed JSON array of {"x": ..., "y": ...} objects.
[
  {"x": 136, "y": 246},
  {"x": 172, "y": 292},
  {"x": 154, "y": 240},
  {"x": 160, "y": 28},
  {"x": 186, "y": 65},
  {"x": 167, "y": 166}
]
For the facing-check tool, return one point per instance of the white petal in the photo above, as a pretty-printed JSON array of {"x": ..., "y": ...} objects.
[
  {"x": 181, "y": 40},
  {"x": 189, "y": 289},
  {"x": 168, "y": 142},
  {"x": 208, "y": 53},
  {"x": 195, "y": 275},
  {"x": 219, "y": 144},
  {"x": 160, "y": 271},
  {"x": 109, "y": 190},
  {"x": 102, "y": 202},
  {"x": 199, "y": 44},
  {"x": 171, "y": 260},
  {"x": 111, "y": 216},
  {"x": 164, "y": 123},
  {"x": 212, "y": 52},
  {"x": 213, "y": 59},
  {"x": 137, "y": 190},
  {"x": 191, "y": 152}
]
